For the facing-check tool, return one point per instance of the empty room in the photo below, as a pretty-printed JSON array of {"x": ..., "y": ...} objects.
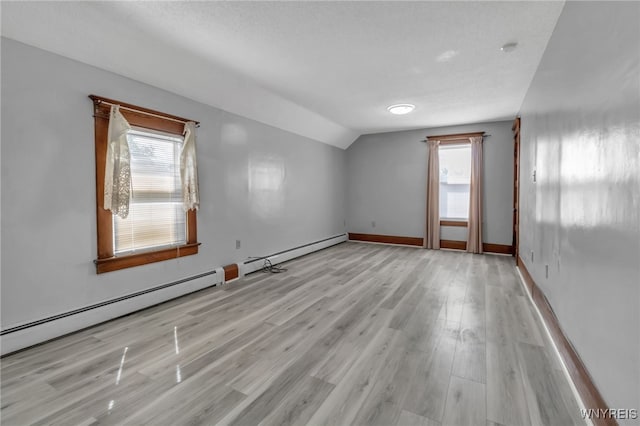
[{"x": 320, "y": 213}]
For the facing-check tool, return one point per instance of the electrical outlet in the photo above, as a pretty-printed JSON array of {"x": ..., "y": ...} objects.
[
  {"x": 546, "y": 271},
  {"x": 531, "y": 256},
  {"x": 534, "y": 176},
  {"x": 237, "y": 244},
  {"x": 373, "y": 223}
]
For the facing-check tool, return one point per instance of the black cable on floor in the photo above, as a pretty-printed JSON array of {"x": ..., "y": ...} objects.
[
  {"x": 274, "y": 269},
  {"x": 267, "y": 266}
]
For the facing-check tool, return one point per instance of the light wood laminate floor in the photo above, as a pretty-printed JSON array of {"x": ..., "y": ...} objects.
[{"x": 354, "y": 334}]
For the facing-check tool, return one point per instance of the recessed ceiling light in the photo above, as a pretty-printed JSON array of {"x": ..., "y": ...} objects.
[
  {"x": 401, "y": 109},
  {"x": 509, "y": 47}
]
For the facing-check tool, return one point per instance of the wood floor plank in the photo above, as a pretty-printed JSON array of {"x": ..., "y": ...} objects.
[
  {"x": 474, "y": 315},
  {"x": 196, "y": 361},
  {"x": 382, "y": 406},
  {"x": 498, "y": 322},
  {"x": 274, "y": 351},
  {"x": 406, "y": 307},
  {"x": 423, "y": 328},
  {"x": 303, "y": 400},
  {"x": 407, "y": 418},
  {"x": 341, "y": 357},
  {"x": 470, "y": 358},
  {"x": 390, "y": 253},
  {"x": 342, "y": 405},
  {"x": 354, "y": 334},
  {"x": 508, "y": 278},
  {"x": 506, "y": 401},
  {"x": 453, "y": 304},
  {"x": 545, "y": 402},
  {"x": 25, "y": 396},
  {"x": 201, "y": 401},
  {"x": 428, "y": 389},
  {"x": 295, "y": 302},
  {"x": 526, "y": 329},
  {"x": 45, "y": 354},
  {"x": 94, "y": 403},
  {"x": 408, "y": 283},
  {"x": 465, "y": 403},
  {"x": 289, "y": 379}
]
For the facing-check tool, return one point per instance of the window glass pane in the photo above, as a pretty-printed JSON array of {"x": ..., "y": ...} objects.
[
  {"x": 156, "y": 218},
  {"x": 455, "y": 179}
]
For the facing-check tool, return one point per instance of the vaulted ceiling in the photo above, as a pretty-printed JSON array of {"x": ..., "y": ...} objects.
[{"x": 325, "y": 70}]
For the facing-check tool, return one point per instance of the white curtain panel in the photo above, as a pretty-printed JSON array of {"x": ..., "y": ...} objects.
[
  {"x": 432, "y": 238},
  {"x": 117, "y": 174},
  {"x": 474, "y": 236},
  {"x": 189, "y": 168}
]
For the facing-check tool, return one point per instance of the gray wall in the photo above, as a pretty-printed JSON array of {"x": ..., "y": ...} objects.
[
  {"x": 387, "y": 175},
  {"x": 581, "y": 134},
  {"x": 48, "y": 186}
]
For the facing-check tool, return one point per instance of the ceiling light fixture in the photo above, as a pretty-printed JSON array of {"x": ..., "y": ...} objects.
[
  {"x": 401, "y": 109},
  {"x": 509, "y": 47}
]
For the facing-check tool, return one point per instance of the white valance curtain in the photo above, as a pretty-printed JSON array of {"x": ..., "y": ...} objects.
[
  {"x": 432, "y": 237},
  {"x": 189, "y": 168},
  {"x": 117, "y": 174},
  {"x": 474, "y": 228}
]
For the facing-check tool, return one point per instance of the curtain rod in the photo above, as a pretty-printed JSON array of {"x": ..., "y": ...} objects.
[
  {"x": 100, "y": 100},
  {"x": 456, "y": 137}
]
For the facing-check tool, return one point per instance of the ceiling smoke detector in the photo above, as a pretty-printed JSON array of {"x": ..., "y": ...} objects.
[
  {"x": 401, "y": 109},
  {"x": 509, "y": 47}
]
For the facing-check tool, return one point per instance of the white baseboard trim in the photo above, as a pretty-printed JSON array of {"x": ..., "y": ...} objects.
[
  {"x": 253, "y": 265},
  {"x": 33, "y": 333}
]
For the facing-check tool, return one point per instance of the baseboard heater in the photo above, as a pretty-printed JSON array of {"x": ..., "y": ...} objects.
[
  {"x": 36, "y": 332},
  {"x": 256, "y": 264},
  {"x": 101, "y": 304}
]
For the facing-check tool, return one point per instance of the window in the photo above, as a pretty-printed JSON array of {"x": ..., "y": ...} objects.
[
  {"x": 156, "y": 227},
  {"x": 156, "y": 218},
  {"x": 455, "y": 181}
]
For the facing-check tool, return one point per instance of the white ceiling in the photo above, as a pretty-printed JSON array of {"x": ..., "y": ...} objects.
[{"x": 325, "y": 70}]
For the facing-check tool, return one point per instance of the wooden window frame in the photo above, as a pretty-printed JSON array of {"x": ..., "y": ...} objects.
[
  {"x": 146, "y": 118},
  {"x": 457, "y": 138},
  {"x": 453, "y": 222}
]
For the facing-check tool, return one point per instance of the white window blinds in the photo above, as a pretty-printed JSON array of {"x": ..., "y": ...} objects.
[{"x": 156, "y": 217}]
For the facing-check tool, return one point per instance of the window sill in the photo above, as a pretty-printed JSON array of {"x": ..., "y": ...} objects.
[
  {"x": 449, "y": 222},
  {"x": 121, "y": 262}
]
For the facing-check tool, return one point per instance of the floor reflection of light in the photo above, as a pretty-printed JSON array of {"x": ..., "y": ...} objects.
[
  {"x": 111, "y": 404},
  {"x": 124, "y": 354},
  {"x": 175, "y": 340},
  {"x": 178, "y": 374}
]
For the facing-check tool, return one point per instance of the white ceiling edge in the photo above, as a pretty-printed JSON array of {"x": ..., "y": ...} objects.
[
  {"x": 244, "y": 60},
  {"x": 231, "y": 92},
  {"x": 241, "y": 96}
]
